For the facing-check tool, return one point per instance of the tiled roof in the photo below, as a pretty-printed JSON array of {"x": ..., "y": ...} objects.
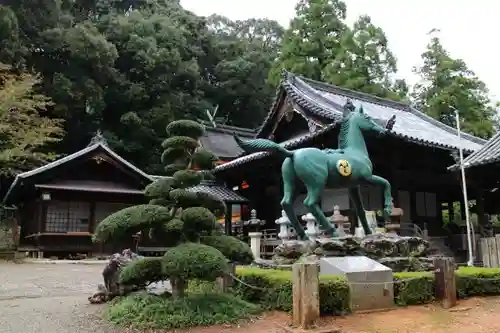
[
  {"x": 289, "y": 144},
  {"x": 99, "y": 144},
  {"x": 219, "y": 140},
  {"x": 225, "y": 194},
  {"x": 211, "y": 187},
  {"x": 489, "y": 153},
  {"x": 324, "y": 101}
]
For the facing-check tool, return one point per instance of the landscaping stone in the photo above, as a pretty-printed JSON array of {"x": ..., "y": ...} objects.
[{"x": 400, "y": 253}]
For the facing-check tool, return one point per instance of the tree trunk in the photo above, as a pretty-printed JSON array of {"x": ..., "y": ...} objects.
[{"x": 178, "y": 287}]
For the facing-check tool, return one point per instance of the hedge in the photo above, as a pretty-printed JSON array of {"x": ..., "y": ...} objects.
[{"x": 274, "y": 287}]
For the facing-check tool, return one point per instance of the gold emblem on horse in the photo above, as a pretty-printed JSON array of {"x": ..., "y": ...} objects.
[{"x": 344, "y": 168}]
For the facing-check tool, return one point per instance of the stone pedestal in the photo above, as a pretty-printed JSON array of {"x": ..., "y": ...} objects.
[
  {"x": 255, "y": 242},
  {"x": 370, "y": 282}
]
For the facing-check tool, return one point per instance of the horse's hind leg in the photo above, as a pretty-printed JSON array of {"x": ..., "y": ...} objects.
[
  {"x": 312, "y": 203},
  {"x": 289, "y": 177},
  {"x": 355, "y": 196}
]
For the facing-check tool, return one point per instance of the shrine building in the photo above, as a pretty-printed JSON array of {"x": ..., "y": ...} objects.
[{"x": 414, "y": 157}]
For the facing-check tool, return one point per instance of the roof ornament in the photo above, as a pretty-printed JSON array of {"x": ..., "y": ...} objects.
[
  {"x": 348, "y": 108},
  {"x": 98, "y": 138}
]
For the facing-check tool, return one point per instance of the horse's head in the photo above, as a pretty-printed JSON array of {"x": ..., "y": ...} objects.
[{"x": 367, "y": 123}]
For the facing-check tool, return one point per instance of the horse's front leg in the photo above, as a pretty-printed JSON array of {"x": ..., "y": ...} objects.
[
  {"x": 355, "y": 197},
  {"x": 384, "y": 183}
]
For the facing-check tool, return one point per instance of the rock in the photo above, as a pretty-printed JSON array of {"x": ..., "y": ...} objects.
[
  {"x": 294, "y": 249},
  {"x": 407, "y": 264},
  {"x": 112, "y": 287},
  {"x": 397, "y": 252},
  {"x": 337, "y": 247},
  {"x": 391, "y": 245}
]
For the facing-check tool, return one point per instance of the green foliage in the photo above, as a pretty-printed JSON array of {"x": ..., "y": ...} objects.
[
  {"x": 275, "y": 290},
  {"x": 183, "y": 142},
  {"x": 159, "y": 188},
  {"x": 204, "y": 160},
  {"x": 410, "y": 288},
  {"x": 185, "y": 128},
  {"x": 184, "y": 198},
  {"x": 142, "y": 272},
  {"x": 232, "y": 248},
  {"x": 320, "y": 45},
  {"x": 26, "y": 127},
  {"x": 155, "y": 312},
  {"x": 174, "y": 155},
  {"x": 194, "y": 261},
  {"x": 448, "y": 84},
  {"x": 198, "y": 219},
  {"x": 215, "y": 204},
  {"x": 187, "y": 178},
  {"x": 130, "y": 220}
]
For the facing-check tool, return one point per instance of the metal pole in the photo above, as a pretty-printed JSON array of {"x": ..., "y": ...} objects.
[{"x": 470, "y": 263}]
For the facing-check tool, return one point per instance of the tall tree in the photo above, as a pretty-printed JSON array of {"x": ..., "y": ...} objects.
[
  {"x": 448, "y": 84},
  {"x": 25, "y": 131},
  {"x": 243, "y": 53},
  {"x": 313, "y": 39},
  {"x": 365, "y": 62}
]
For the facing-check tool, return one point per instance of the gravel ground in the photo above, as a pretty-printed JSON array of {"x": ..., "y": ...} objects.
[{"x": 50, "y": 298}]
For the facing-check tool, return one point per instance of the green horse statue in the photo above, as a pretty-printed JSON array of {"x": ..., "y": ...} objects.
[{"x": 349, "y": 166}]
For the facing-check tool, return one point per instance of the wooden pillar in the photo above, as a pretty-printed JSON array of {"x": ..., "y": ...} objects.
[
  {"x": 482, "y": 220},
  {"x": 413, "y": 205},
  {"x": 305, "y": 294},
  {"x": 92, "y": 224},
  {"x": 446, "y": 290},
  {"x": 228, "y": 219}
]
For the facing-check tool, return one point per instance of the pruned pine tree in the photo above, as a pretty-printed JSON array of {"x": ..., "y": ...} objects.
[{"x": 178, "y": 217}]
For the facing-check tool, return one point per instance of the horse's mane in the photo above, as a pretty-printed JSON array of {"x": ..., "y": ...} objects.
[{"x": 344, "y": 128}]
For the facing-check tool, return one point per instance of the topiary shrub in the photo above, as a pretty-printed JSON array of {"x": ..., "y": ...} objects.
[
  {"x": 179, "y": 217},
  {"x": 142, "y": 272}
]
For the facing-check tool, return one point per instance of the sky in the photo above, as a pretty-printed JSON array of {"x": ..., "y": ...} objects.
[{"x": 468, "y": 30}]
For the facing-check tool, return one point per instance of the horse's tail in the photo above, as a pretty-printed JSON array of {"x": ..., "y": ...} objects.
[{"x": 256, "y": 145}]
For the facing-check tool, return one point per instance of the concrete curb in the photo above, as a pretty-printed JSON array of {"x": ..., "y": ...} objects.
[{"x": 55, "y": 262}]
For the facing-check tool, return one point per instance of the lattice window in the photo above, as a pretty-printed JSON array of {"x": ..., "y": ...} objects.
[
  {"x": 64, "y": 216},
  {"x": 103, "y": 209}
]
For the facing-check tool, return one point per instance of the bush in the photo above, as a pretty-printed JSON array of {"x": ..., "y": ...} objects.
[
  {"x": 159, "y": 312},
  {"x": 275, "y": 290},
  {"x": 410, "y": 288},
  {"x": 232, "y": 248},
  {"x": 478, "y": 281},
  {"x": 142, "y": 272},
  {"x": 130, "y": 220},
  {"x": 194, "y": 261}
]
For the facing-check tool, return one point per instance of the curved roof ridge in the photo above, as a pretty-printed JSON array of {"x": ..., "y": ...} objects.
[{"x": 385, "y": 102}]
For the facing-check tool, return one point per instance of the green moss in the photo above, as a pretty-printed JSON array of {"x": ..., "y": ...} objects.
[{"x": 155, "y": 312}]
